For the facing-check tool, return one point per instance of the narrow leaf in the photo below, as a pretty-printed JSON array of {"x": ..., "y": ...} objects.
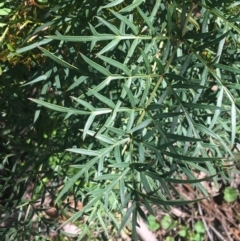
[
  {"x": 182, "y": 138},
  {"x": 146, "y": 61},
  {"x": 188, "y": 158},
  {"x": 83, "y": 103},
  {"x": 96, "y": 66},
  {"x": 102, "y": 98},
  {"x": 227, "y": 68},
  {"x": 59, "y": 108},
  {"x": 101, "y": 137},
  {"x": 57, "y": 59},
  {"x": 109, "y": 25},
  {"x": 111, "y": 4},
  {"x": 146, "y": 20},
  {"x": 234, "y": 123},
  {"x": 127, "y": 216},
  {"x": 181, "y": 181},
  {"x": 88, "y": 125},
  {"x": 126, "y": 21},
  {"x": 131, "y": 6},
  {"x": 130, "y": 97},
  {"x": 141, "y": 125},
  {"x": 203, "y": 106},
  {"x": 116, "y": 64},
  {"x": 110, "y": 46},
  {"x": 211, "y": 43}
]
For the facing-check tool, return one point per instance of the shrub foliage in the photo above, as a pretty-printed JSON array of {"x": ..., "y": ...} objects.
[{"x": 128, "y": 99}]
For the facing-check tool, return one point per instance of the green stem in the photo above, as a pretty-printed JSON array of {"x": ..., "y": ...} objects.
[{"x": 159, "y": 82}]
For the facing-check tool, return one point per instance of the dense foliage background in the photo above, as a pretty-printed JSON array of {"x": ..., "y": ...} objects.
[{"x": 113, "y": 103}]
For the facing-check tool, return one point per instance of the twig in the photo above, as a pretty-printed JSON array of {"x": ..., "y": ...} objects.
[
  {"x": 218, "y": 234},
  {"x": 226, "y": 231},
  {"x": 204, "y": 222}
]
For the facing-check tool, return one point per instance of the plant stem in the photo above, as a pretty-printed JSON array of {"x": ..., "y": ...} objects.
[{"x": 165, "y": 69}]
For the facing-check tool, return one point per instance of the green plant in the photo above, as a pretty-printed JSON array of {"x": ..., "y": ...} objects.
[
  {"x": 230, "y": 194},
  {"x": 183, "y": 231},
  {"x": 167, "y": 222},
  {"x": 200, "y": 231},
  {"x": 152, "y": 224},
  {"x": 142, "y": 96},
  {"x": 169, "y": 239}
]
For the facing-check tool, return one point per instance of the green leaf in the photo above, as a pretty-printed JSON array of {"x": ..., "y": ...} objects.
[
  {"x": 131, "y": 6},
  {"x": 183, "y": 231},
  {"x": 126, "y": 21},
  {"x": 83, "y": 103},
  {"x": 110, "y": 26},
  {"x": 147, "y": 21},
  {"x": 198, "y": 36},
  {"x": 131, "y": 50},
  {"x": 182, "y": 138},
  {"x": 127, "y": 216},
  {"x": 77, "y": 82},
  {"x": 233, "y": 86},
  {"x": 188, "y": 158},
  {"x": 230, "y": 194},
  {"x": 173, "y": 180},
  {"x": 60, "y": 108},
  {"x": 188, "y": 86},
  {"x": 76, "y": 177},
  {"x": 109, "y": 47},
  {"x": 199, "y": 227},
  {"x": 211, "y": 43},
  {"x": 103, "y": 223},
  {"x": 233, "y": 123},
  {"x": 167, "y": 203},
  {"x": 116, "y": 131},
  {"x": 130, "y": 97},
  {"x": 203, "y": 106},
  {"x": 77, "y": 215},
  {"x": 167, "y": 115},
  {"x": 235, "y": 70},
  {"x": 166, "y": 222},
  {"x": 96, "y": 66},
  {"x": 155, "y": 10},
  {"x": 57, "y": 60},
  {"x": 84, "y": 151},
  {"x": 101, "y": 137},
  {"x": 155, "y": 107},
  {"x": 175, "y": 77},
  {"x": 88, "y": 125},
  {"x": 43, "y": 93},
  {"x": 33, "y": 46},
  {"x": 206, "y": 131},
  {"x": 107, "y": 177},
  {"x": 146, "y": 61},
  {"x": 5, "y": 11},
  {"x": 141, "y": 125},
  {"x": 111, "y": 4},
  {"x": 116, "y": 64},
  {"x": 159, "y": 66},
  {"x": 152, "y": 224},
  {"x": 102, "y": 98},
  {"x": 98, "y": 37}
]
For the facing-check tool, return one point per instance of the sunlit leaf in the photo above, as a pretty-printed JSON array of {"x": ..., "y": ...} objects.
[
  {"x": 96, "y": 66},
  {"x": 126, "y": 21},
  {"x": 141, "y": 126},
  {"x": 131, "y": 6},
  {"x": 57, "y": 59}
]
